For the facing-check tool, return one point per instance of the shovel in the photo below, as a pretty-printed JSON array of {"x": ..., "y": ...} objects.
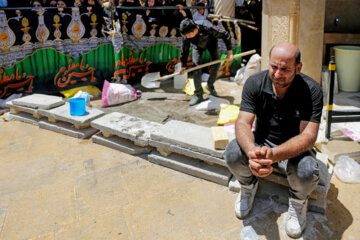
[{"x": 152, "y": 80}]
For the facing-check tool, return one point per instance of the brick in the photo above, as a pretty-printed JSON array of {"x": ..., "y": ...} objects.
[{"x": 219, "y": 137}]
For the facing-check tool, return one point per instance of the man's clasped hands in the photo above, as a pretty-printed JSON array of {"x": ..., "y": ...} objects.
[{"x": 260, "y": 160}]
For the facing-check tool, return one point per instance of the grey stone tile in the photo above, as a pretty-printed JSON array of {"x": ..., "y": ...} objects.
[
  {"x": 188, "y": 152},
  {"x": 24, "y": 117},
  {"x": 68, "y": 129},
  {"x": 62, "y": 113},
  {"x": 125, "y": 126},
  {"x": 188, "y": 135},
  {"x": 120, "y": 144},
  {"x": 39, "y": 101},
  {"x": 194, "y": 167}
]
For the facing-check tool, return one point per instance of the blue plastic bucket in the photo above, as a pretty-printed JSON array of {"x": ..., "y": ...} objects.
[{"x": 77, "y": 106}]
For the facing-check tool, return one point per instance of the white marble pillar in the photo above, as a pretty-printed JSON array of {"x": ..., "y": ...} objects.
[{"x": 298, "y": 22}]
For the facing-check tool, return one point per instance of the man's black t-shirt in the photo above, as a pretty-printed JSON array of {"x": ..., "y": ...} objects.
[{"x": 278, "y": 120}]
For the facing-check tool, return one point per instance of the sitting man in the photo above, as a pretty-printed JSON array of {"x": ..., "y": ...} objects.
[
  {"x": 287, "y": 105},
  {"x": 202, "y": 35}
]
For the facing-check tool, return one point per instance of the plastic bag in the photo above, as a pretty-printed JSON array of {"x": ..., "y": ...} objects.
[
  {"x": 228, "y": 114},
  {"x": 214, "y": 103},
  {"x": 115, "y": 93},
  {"x": 252, "y": 67},
  {"x": 11, "y": 97},
  {"x": 347, "y": 170},
  {"x": 85, "y": 95},
  {"x": 189, "y": 88},
  {"x": 92, "y": 90}
]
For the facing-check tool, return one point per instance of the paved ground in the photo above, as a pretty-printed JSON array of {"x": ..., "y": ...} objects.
[{"x": 57, "y": 187}]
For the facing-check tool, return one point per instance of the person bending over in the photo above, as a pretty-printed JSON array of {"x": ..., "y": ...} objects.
[{"x": 202, "y": 36}]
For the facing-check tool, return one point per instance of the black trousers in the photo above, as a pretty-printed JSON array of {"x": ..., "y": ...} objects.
[{"x": 196, "y": 59}]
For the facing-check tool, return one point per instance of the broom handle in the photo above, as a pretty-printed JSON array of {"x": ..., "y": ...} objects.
[{"x": 207, "y": 64}]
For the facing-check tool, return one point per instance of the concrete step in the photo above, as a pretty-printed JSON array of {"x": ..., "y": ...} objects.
[
  {"x": 340, "y": 147},
  {"x": 24, "y": 117},
  {"x": 188, "y": 136},
  {"x": 67, "y": 129},
  {"x": 16, "y": 109},
  {"x": 120, "y": 144},
  {"x": 39, "y": 101},
  {"x": 187, "y": 152},
  {"x": 62, "y": 114},
  {"x": 191, "y": 166},
  {"x": 128, "y": 127}
]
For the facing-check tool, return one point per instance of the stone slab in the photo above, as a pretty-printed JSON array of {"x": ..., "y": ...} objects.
[
  {"x": 24, "y": 117},
  {"x": 188, "y": 152},
  {"x": 190, "y": 136},
  {"x": 62, "y": 113},
  {"x": 120, "y": 144},
  {"x": 39, "y": 101},
  {"x": 68, "y": 129},
  {"x": 337, "y": 148},
  {"x": 125, "y": 126},
  {"x": 194, "y": 167},
  {"x": 280, "y": 193},
  {"x": 20, "y": 108}
]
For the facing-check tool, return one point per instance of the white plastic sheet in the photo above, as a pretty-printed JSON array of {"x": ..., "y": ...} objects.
[{"x": 347, "y": 170}]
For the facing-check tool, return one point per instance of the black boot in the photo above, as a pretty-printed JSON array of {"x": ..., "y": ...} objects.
[
  {"x": 196, "y": 99},
  {"x": 212, "y": 91}
]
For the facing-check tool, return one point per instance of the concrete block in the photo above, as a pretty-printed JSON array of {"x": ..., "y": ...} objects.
[
  {"x": 188, "y": 152},
  {"x": 323, "y": 168},
  {"x": 128, "y": 127},
  {"x": 319, "y": 193},
  {"x": 24, "y": 117},
  {"x": 219, "y": 137},
  {"x": 67, "y": 129},
  {"x": 120, "y": 144},
  {"x": 189, "y": 136},
  {"x": 39, "y": 101},
  {"x": 279, "y": 193},
  {"x": 337, "y": 148},
  {"x": 20, "y": 108},
  {"x": 194, "y": 167},
  {"x": 62, "y": 113}
]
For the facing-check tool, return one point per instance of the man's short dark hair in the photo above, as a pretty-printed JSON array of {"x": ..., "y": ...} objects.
[{"x": 187, "y": 26}]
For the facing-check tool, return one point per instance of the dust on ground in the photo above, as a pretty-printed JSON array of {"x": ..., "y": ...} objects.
[{"x": 167, "y": 103}]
